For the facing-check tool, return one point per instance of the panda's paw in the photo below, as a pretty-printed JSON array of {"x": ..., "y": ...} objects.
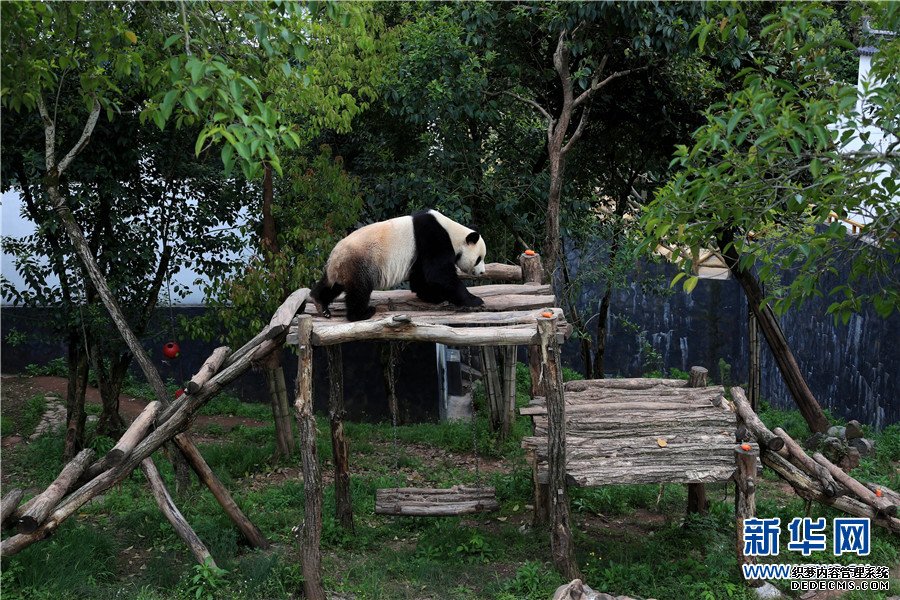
[
  {"x": 322, "y": 310},
  {"x": 473, "y": 301}
]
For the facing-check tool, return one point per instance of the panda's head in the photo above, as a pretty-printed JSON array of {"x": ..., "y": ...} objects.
[{"x": 470, "y": 257}]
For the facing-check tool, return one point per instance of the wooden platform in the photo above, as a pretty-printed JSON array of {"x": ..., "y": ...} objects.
[
  {"x": 639, "y": 431},
  {"x": 432, "y": 502},
  {"x": 508, "y": 318}
]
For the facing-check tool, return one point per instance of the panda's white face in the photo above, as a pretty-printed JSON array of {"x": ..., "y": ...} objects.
[{"x": 470, "y": 257}]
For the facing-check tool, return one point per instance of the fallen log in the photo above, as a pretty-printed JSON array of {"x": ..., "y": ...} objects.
[
  {"x": 762, "y": 434},
  {"x": 885, "y": 492},
  {"x": 881, "y": 504},
  {"x": 173, "y": 515},
  {"x": 811, "y": 489},
  {"x": 432, "y": 502},
  {"x": 210, "y": 367},
  {"x": 495, "y": 272},
  {"x": 10, "y": 503},
  {"x": 793, "y": 450},
  {"x": 39, "y": 507},
  {"x": 134, "y": 434}
]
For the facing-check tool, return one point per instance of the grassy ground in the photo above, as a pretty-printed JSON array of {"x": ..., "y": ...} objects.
[{"x": 629, "y": 539}]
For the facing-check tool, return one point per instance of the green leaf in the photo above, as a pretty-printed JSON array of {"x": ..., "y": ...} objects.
[
  {"x": 690, "y": 284},
  {"x": 171, "y": 40},
  {"x": 678, "y": 277},
  {"x": 165, "y": 109}
]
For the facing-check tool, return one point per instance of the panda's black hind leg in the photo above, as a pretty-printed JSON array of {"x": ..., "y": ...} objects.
[
  {"x": 357, "y": 299},
  {"x": 323, "y": 294}
]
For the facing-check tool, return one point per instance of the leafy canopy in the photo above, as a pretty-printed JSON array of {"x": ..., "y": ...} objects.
[{"x": 792, "y": 148}]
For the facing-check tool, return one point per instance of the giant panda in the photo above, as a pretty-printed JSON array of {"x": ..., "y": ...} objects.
[{"x": 424, "y": 248}]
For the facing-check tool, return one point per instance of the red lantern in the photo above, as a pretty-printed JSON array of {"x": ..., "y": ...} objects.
[{"x": 171, "y": 350}]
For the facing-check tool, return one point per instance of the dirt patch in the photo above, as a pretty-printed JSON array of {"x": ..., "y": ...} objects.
[{"x": 16, "y": 389}]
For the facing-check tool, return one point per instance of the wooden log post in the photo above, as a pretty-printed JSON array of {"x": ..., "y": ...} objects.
[
  {"x": 745, "y": 504},
  {"x": 751, "y": 422},
  {"x": 340, "y": 446},
  {"x": 136, "y": 432},
  {"x": 38, "y": 508},
  {"x": 492, "y": 389},
  {"x": 250, "y": 531},
  {"x": 755, "y": 366},
  {"x": 311, "y": 530},
  {"x": 508, "y": 354},
  {"x": 173, "y": 515},
  {"x": 10, "y": 504},
  {"x": 533, "y": 273},
  {"x": 562, "y": 544},
  {"x": 696, "y": 500}
]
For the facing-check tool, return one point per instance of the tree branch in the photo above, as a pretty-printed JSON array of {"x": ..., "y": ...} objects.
[
  {"x": 537, "y": 106},
  {"x": 596, "y": 85},
  {"x": 49, "y": 134},
  {"x": 83, "y": 140},
  {"x": 578, "y": 130}
]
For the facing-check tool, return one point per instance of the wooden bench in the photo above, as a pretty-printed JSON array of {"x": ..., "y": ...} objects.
[{"x": 626, "y": 431}]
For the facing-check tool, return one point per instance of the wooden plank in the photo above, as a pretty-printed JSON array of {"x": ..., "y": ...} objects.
[
  {"x": 390, "y": 329},
  {"x": 432, "y": 502},
  {"x": 443, "y": 317},
  {"x": 405, "y": 301},
  {"x": 625, "y": 383}
]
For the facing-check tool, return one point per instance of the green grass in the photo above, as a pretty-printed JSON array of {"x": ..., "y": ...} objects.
[
  {"x": 31, "y": 416},
  {"x": 226, "y": 404},
  {"x": 629, "y": 539}
]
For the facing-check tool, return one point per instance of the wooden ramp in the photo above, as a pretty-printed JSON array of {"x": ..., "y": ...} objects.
[{"x": 431, "y": 502}]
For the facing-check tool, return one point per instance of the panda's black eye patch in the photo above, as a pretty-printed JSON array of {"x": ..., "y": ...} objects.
[
  {"x": 478, "y": 262},
  {"x": 458, "y": 256}
]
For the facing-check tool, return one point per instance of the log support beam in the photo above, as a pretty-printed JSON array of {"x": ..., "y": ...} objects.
[
  {"x": 745, "y": 504},
  {"x": 340, "y": 446},
  {"x": 696, "y": 501},
  {"x": 311, "y": 529},
  {"x": 562, "y": 544}
]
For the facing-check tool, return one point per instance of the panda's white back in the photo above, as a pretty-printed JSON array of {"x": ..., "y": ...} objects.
[{"x": 391, "y": 245}]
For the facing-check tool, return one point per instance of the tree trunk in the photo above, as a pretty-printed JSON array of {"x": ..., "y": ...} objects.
[
  {"x": 602, "y": 324},
  {"x": 77, "y": 385},
  {"x": 551, "y": 236},
  {"x": 771, "y": 329},
  {"x": 110, "y": 422}
]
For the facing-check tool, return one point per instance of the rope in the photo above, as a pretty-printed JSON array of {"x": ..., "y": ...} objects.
[{"x": 172, "y": 325}]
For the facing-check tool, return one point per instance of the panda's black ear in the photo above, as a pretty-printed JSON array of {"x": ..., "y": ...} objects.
[{"x": 472, "y": 238}]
